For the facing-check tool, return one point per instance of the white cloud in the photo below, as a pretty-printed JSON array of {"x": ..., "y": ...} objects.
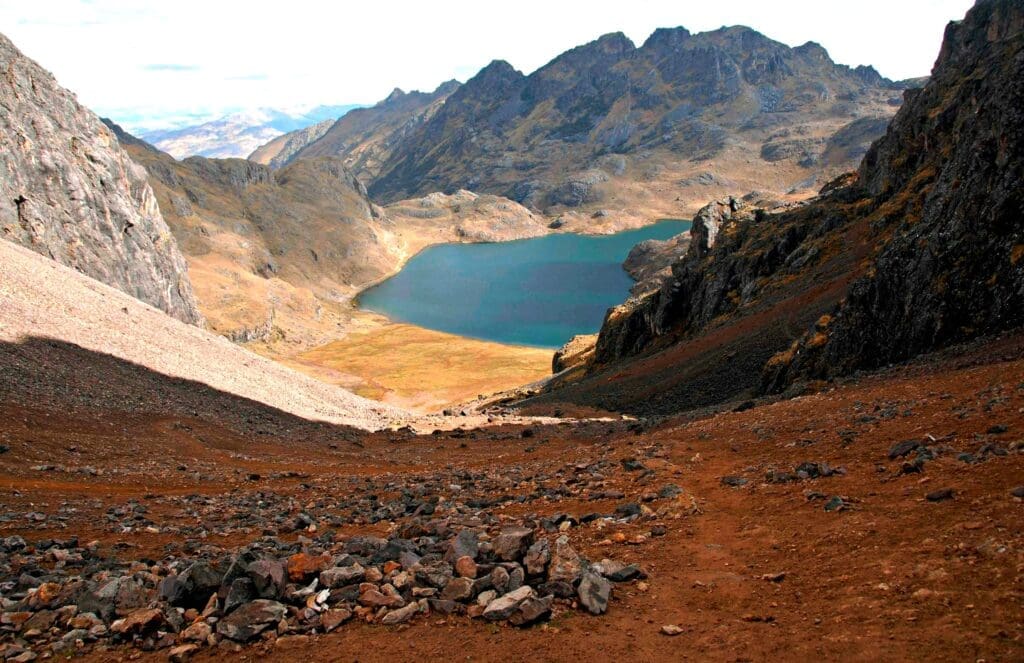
[{"x": 201, "y": 56}]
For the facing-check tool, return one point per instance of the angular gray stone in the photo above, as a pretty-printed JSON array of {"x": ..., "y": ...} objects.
[
  {"x": 499, "y": 579},
  {"x": 251, "y": 619},
  {"x": 503, "y": 606},
  {"x": 269, "y": 576},
  {"x": 617, "y": 571},
  {"x": 537, "y": 557},
  {"x": 339, "y": 576},
  {"x": 401, "y": 615},
  {"x": 531, "y": 611},
  {"x": 566, "y": 564},
  {"x": 242, "y": 591},
  {"x": 594, "y": 593}
]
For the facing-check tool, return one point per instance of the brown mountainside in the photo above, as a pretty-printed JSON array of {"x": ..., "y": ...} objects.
[
  {"x": 277, "y": 255},
  {"x": 365, "y": 137}
]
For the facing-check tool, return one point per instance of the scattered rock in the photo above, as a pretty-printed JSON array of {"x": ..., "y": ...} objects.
[{"x": 594, "y": 593}]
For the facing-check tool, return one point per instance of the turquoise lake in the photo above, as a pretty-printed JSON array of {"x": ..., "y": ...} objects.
[{"x": 537, "y": 292}]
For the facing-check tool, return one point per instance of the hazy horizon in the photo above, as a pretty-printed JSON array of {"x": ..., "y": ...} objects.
[{"x": 146, "y": 64}]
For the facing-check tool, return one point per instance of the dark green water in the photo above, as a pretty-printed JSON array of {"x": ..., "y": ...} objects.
[{"x": 536, "y": 292}]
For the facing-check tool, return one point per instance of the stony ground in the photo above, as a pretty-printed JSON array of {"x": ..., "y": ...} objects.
[{"x": 879, "y": 519}]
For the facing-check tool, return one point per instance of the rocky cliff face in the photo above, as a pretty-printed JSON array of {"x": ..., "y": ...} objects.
[
  {"x": 69, "y": 192},
  {"x": 609, "y": 121},
  {"x": 922, "y": 248},
  {"x": 947, "y": 179}
]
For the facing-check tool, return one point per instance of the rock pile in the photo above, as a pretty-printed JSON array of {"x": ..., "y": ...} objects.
[{"x": 61, "y": 597}]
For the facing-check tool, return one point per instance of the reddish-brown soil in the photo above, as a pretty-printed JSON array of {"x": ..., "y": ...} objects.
[{"x": 895, "y": 577}]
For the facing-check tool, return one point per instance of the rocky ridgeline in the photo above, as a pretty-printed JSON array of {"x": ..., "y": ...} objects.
[{"x": 921, "y": 249}]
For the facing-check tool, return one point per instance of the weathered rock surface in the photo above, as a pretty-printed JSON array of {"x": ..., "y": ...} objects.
[
  {"x": 946, "y": 181},
  {"x": 578, "y": 351},
  {"x": 71, "y": 193}
]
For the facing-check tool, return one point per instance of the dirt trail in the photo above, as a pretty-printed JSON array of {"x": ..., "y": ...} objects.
[{"x": 758, "y": 571}]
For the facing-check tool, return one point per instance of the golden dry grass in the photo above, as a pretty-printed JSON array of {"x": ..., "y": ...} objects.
[{"x": 421, "y": 369}]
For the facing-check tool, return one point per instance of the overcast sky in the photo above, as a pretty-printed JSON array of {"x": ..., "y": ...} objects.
[{"x": 142, "y": 58}]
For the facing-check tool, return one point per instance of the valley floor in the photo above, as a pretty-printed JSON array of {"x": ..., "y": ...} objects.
[
  {"x": 416, "y": 368},
  {"x": 748, "y": 568}
]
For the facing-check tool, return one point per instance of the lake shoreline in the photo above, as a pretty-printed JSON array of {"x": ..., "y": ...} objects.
[
  {"x": 561, "y": 284},
  {"x": 403, "y": 344}
]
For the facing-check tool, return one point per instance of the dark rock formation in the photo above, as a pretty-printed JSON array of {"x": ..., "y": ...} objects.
[
  {"x": 70, "y": 192},
  {"x": 946, "y": 180},
  {"x": 688, "y": 294}
]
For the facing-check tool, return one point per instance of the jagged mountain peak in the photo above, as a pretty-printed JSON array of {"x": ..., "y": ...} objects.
[
  {"x": 666, "y": 39},
  {"x": 395, "y": 95}
]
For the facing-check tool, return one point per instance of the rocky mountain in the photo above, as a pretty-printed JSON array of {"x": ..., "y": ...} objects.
[
  {"x": 365, "y": 138},
  {"x": 238, "y": 134},
  {"x": 609, "y": 125},
  {"x": 69, "y": 192},
  {"x": 945, "y": 182},
  {"x": 280, "y": 151},
  {"x": 923, "y": 247}
]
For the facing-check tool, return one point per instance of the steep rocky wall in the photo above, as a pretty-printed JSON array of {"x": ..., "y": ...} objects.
[
  {"x": 948, "y": 175},
  {"x": 69, "y": 192}
]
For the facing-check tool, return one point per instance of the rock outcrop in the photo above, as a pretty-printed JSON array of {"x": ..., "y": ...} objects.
[
  {"x": 946, "y": 181},
  {"x": 280, "y": 151},
  {"x": 70, "y": 192},
  {"x": 685, "y": 293}
]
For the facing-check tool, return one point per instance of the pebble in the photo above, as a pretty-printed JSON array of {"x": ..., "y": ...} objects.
[{"x": 940, "y": 495}]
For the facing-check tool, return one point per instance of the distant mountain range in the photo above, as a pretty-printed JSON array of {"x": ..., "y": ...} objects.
[
  {"x": 238, "y": 134},
  {"x": 614, "y": 128},
  {"x": 365, "y": 137}
]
